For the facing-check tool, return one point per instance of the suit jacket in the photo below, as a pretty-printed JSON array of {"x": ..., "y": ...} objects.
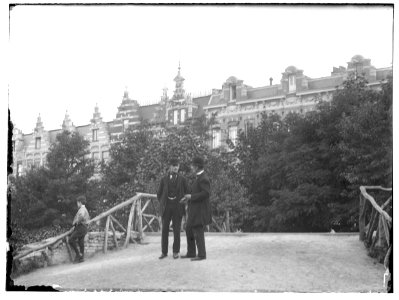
[
  {"x": 199, "y": 208},
  {"x": 162, "y": 193}
]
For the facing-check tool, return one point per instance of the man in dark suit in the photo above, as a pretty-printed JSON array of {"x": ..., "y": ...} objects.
[
  {"x": 171, "y": 189},
  {"x": 199, "y": 212}
]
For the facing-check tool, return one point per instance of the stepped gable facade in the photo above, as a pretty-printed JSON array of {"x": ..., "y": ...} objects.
[{"x": 236, "y": 106}]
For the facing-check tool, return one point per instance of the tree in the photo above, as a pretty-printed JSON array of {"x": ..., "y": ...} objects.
[
  {"x": 47, "y": 195},
  {"x": 366, "y": 132},
  {"x": 229, "y": 201},
  {"x": 303, "y": 172},
  {"x": 201, "y": 125},
  {"x": 125, "y": 156}
]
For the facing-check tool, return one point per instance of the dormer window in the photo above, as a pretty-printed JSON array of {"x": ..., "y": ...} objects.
[
  {"x": 292, "y": 84},
  {"x": 233, "y": 92}
]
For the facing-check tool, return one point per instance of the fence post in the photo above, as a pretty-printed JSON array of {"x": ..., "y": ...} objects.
[
  {"x": 105, "y": 249},
  {"x": 362, "y": 218},
  {"x": 66, "y": 240},
  {"x": 114, "y": 234},
  {"x": 140, "y": 220},
  {"x": 129, "y": 225}
]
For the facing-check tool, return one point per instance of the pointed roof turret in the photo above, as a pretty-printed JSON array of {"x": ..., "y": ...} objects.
[
  {"x": 179, "y": 92},
  {"x": 39, "y": 124},
  {"x": 96, "y": 115},
  {"x": 126, "y": 94},
  {"x": 67, "y": 123}
]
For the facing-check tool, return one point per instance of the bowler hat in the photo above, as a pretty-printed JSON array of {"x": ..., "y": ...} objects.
[{"x": 173, "y": 161}]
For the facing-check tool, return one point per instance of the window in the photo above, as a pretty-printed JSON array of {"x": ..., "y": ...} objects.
[
  {"x": 248, "y": 126},
  {"x": 125, "y": 124},
  {"x": 215, "y": 138},
  {"x": 95, "y": 155},
  {"x": 38, "y": 143},
  {"x": 36, "y": 162},
  {"x": 105, "y": 155},
  {"x": 233, "y": 92},
  {"x": 13, "y": 145},
  {"x": 233, "y": 134},
  {"x": 175, "y": 117},
  {"x": 182, "y": 115},
  {"x": 29, "y": 163},
  {"x": 292, "y": 84},
  {"x": 95, "y": 135}
]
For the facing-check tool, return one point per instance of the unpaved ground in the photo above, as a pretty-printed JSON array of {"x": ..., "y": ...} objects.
[{"x": 265, "y": 262}]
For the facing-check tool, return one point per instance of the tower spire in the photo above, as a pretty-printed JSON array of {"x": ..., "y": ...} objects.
[{"x": 179, "y": 92}]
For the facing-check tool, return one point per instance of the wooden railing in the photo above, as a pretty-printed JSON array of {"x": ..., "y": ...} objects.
[
  {"x": 375, "y": 222},
  {"x": 139, "y": 203}
]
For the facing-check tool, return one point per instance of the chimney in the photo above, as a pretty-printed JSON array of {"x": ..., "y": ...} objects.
[{"x": 271, "y": 80}]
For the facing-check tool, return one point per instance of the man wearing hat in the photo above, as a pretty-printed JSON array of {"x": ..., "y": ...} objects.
[
  {"x": 171, "y": 189},
  {"x": 199, "y": 212}
]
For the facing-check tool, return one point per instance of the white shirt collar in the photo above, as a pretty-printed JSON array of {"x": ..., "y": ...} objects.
[{"x": 200, "y": 172}]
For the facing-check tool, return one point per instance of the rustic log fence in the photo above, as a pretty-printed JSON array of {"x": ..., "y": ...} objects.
[
  {"x": 135, "y": 223},
  {"x": 375, "y": 223}
]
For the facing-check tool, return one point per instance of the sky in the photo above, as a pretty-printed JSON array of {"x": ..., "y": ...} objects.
[{"x": 70, "y": 58}]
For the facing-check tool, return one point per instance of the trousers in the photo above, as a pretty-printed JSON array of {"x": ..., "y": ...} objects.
[
  {"x": 77, "y": 238},
  {"x": 171, "y": 214},
  {"x": 196, "y": 241}
]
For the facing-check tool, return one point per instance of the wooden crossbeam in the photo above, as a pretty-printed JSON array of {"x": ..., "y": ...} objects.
[
  {"x": 372, "y": 201},
  {"x": 149, "y": 224},
  {"x": 149, "y": 215},
  {"x": 117, "y": 223},
  {"x": 145, "y": 205}
]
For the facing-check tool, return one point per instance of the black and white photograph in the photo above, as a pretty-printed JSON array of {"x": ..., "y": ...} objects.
[{"x": 199, "y": 147}]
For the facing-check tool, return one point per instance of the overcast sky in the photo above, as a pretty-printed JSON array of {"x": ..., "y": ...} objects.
[{"x": 72, "y": 57}]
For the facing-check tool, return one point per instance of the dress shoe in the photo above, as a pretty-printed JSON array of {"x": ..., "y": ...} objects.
[
  {"x": 175, "y": 255},
  {"x": 163, "y": 256},
  {"x": 187, "y": 256},
  {"x": 198, "y": 258}
]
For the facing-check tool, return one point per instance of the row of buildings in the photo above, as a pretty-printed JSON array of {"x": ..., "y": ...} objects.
[{"x": 236, "y": 107}]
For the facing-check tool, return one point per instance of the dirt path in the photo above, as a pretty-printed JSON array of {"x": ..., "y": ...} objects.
[{"x": 246, "y": 262}]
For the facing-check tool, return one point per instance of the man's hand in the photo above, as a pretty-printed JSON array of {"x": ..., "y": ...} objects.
[{"x": 186, "y": 198}]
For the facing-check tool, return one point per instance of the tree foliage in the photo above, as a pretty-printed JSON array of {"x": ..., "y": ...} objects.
[
  {"x": 46, "y": 195},
  {"x": 297, "y": 173},
  {"x": 304, "y": 172}
]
